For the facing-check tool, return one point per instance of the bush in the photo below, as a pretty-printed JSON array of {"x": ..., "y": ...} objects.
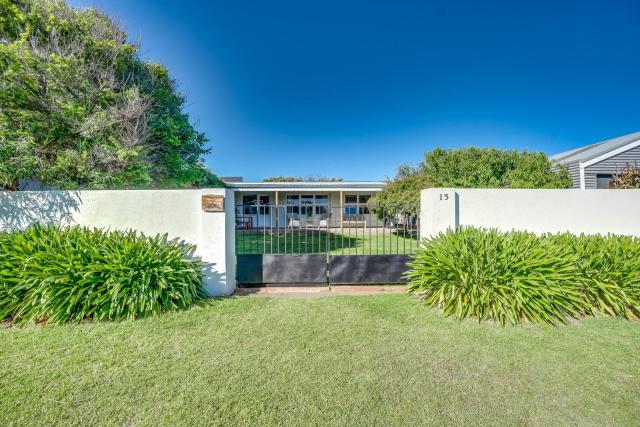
[
  {"x": 627, "y": 178},
  {"x": 607, "y": 269},
  {"x": 55, "y": 275},
  {"x": 516, "y": 276}
]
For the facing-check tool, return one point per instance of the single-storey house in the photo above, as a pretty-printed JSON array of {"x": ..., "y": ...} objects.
[
  {"x": 273, "y": 204},
  {"x": 593, "y": 166}
]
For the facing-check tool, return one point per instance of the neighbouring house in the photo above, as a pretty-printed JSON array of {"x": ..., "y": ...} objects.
[
  {"x": 300, "y": 204},
  {"x": 593, "y": 166}
]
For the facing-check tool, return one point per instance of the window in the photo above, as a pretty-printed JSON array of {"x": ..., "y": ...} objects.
[
  {"x": 350, "y": 210},
  {"x": 350, "y": 198},
  {"x": 321, "y": 199},
  {"x": 307, "y": 204},
  {"x": 264, "y": 210},
  {"x": 356, "y": 204},
  {"x": 247, "y": 201},
  {"x": 250, "y": 203},
  {"x": 603, "y": 180}
]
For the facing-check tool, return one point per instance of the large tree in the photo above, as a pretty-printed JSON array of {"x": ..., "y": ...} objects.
[
  {"x": 81, "y": 109},
  {"x": 470, "y": 168}
]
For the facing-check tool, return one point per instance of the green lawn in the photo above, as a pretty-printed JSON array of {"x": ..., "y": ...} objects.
[
  {"x": 341, "y": 360},
  {"x": 348, "y": 242}
]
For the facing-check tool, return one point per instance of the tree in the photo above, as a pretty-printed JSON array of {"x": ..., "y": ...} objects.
[
  {"x": 627, "y": 178},
  {"x": 301, "y": 179},
  {"x": 492, "y": 168},
  {"x": 81, "y": 109},
  {"x": 470, "y": 168},
  {"x": 401, "y": 195}
]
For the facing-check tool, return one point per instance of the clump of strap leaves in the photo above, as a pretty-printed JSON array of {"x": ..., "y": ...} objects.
[{"x": 514, "y": 277}]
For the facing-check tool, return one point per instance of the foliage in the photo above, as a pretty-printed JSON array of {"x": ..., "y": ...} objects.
[
  {"x": 402, "y": 195},
  {"x": 627, "y": 178},
  {"x": 492, "y": 168},
  {"x": 56, "y": 275},
  {"x": 301, "y": 179},
  {"x": 487, "y": 274},
  {"x": 470, "y": 168},
  {"x": 81, "y": 109},
  {"x": 607, "y": 268},
  {"x": 515, "y": 276}
]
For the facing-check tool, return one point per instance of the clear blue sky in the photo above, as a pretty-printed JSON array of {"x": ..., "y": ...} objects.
[{"x": 354, "y": 88}]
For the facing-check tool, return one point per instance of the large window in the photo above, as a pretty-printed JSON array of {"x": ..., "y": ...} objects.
[
  {"x": 308, "y": 204},
  {"x": 252, "y": 204},
  {"x": 356, "y": 204}
]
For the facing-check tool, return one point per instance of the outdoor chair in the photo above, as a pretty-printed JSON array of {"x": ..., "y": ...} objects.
[
  {"x": 324, "y": 221},
  {"x": 293, "y": 221}
]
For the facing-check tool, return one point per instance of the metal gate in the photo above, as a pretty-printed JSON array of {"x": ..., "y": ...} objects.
[{"x": 323, "y": 245}]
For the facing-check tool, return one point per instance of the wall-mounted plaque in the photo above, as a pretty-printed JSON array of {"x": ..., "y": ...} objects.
[{"x": 212, "y": 203}]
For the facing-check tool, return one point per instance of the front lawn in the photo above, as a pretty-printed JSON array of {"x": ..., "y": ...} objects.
[
  {"x": 354, "y": 241},
  {"x": 341, "y": 360}
]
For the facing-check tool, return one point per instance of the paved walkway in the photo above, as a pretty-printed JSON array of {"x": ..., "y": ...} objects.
[{"x": 319, "y": 290}]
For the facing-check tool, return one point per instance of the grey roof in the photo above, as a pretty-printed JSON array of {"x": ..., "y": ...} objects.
[
  {"x": 227, "y": 179},
  {"x": 592, "y": 151}
]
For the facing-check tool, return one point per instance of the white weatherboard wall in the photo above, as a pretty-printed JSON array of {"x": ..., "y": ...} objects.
[
  {"x": 175, "y": 212},
  {"x": 538, "y": 211}
]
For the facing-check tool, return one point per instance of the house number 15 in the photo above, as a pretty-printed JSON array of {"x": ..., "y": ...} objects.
[{"x": 444, "y": 197}]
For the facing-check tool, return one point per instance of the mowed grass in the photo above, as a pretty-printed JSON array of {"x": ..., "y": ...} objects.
[
  {"x": 336, "y": 360},
  {"x": 354, "y": 241}
]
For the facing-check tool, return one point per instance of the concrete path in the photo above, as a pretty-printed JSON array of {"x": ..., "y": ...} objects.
[{"x": 319, "y": 290}]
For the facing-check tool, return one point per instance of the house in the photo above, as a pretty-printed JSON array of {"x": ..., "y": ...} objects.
[
  {"x": 594, "y": 165},
  {"x": 300, "y": 204}
]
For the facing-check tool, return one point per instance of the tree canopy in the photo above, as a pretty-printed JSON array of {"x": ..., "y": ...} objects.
[
  {"x": 81, "y": 109},
  {"x": 470, "y": 168},
  {"x": 402, "y": 194}
]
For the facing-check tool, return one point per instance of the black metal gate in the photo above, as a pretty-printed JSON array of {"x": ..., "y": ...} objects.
[{"x": 323, "y": 244}]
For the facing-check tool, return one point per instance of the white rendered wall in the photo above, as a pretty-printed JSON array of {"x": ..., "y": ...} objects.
[
  {"x": 175, "y": 212},
  {"x": 539, "y": 211}
]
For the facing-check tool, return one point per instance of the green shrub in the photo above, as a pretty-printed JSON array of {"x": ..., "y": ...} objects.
[
  {"x": 515, "y": 276},
  {"x": 608, "y": 272},
  {"x": 55, "y": 275}
]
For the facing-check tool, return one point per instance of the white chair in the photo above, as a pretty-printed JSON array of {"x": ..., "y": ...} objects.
[{"x": 294, "y": 221}]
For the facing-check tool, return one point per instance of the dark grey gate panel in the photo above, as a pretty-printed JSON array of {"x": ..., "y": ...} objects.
[
  {"x": 282, "y": 269},
  {"x": 367, "y": 269}
]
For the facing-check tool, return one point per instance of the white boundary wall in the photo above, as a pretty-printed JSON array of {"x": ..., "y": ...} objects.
[
  {"x": 175, "y": 212},
  {"x": 539, "y": 211}
]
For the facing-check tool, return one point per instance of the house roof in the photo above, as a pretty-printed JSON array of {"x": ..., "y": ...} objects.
[
  {"x": 307, "y": 186},
  {"x": 589, "y": 152}
]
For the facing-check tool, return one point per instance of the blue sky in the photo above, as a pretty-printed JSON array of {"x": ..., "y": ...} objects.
[{"x": 354, "y": 88}]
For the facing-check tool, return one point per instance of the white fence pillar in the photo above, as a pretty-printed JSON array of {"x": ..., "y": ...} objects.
[
  {"x": 217, "y": 245},
  {"x": 438, "y": 211}
]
